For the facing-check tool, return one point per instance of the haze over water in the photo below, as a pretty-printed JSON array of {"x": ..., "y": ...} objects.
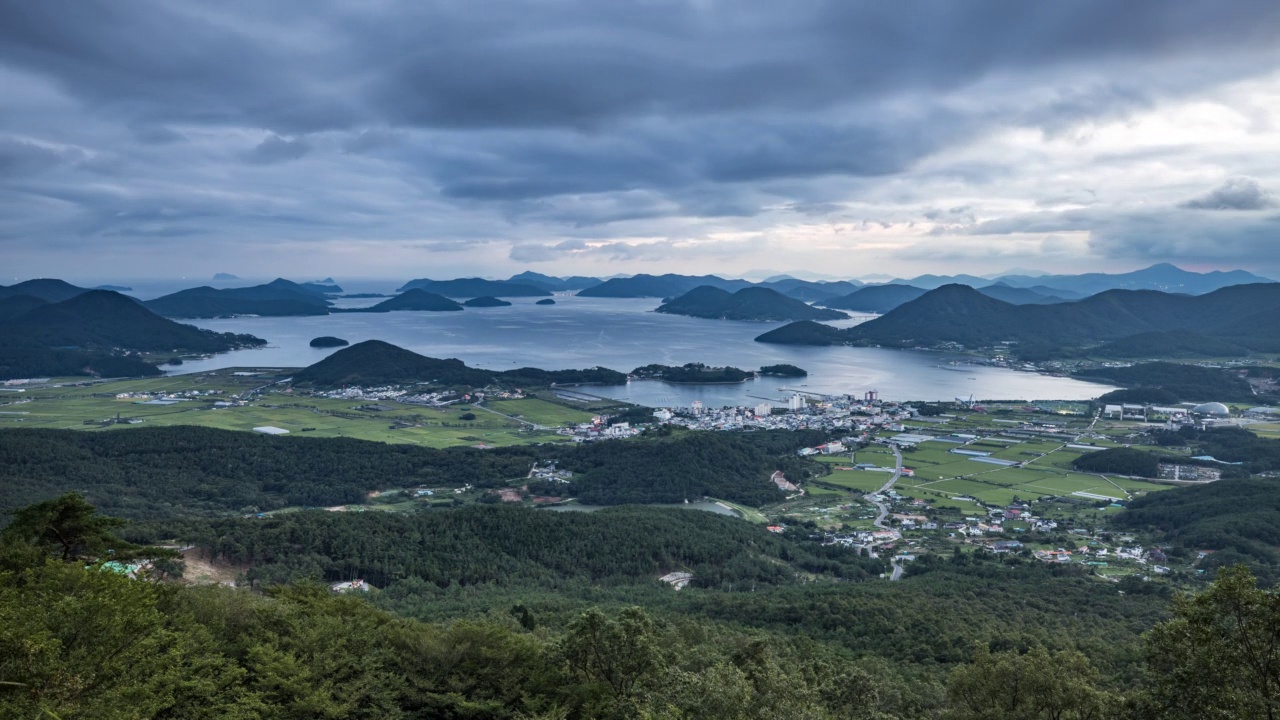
[{"x": 624, "y": 334}]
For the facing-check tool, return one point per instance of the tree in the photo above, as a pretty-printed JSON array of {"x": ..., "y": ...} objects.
[
  {"x": 1037, "y": 685},
  {"x": 616, "y": 655},
  {"x": 1219, "y": 657},
  {"x": 70, "y": 527}
]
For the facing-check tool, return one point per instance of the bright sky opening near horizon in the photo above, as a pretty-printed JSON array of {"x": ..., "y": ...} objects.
[{"x": 853, "y": 138}]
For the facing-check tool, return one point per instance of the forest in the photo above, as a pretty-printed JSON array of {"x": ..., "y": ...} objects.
[
  {"x": 1187, "y": 382},
  {"x": 966, "y": 638},
  {"x": 160, "y": 472},
  {"x": 514, "y": 546}
]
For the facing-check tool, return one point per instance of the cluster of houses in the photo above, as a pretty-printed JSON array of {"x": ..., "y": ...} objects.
[
  {"x": 831, "y": 413},
  {"x": 600, "y": 429}
]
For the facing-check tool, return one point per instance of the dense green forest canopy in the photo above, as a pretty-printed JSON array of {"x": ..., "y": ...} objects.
[
  {"x": 516, "y": 546},
  {"x": 164, "y": 472},
  {"x": 969, "y": 636},
  {"x": 1187, "y": 382},
  {"x": 1120, "y": 461}
]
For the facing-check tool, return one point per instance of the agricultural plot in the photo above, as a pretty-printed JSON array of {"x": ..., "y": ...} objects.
[
  {"x": 861, "y": 480},
  {"x": 86, "y": 407},
  {"x": 539, "y": 411}
]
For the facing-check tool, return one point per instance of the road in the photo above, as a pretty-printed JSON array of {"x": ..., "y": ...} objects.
[{"x": 884, "y": 507}]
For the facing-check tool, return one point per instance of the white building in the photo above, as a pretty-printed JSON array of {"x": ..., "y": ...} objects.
[
  {"x": 697, "y": 407},
  {"x": 764, "y": 410},
  {"x": 796, "y": 402}
]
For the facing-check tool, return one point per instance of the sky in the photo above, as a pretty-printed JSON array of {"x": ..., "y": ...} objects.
[{"x": 851, "y": 138}]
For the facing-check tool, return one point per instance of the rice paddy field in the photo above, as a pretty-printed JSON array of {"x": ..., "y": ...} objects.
[{"x": 1045, "y": 469}]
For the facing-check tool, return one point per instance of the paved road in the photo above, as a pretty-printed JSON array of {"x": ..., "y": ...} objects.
[{"x": 884, "y": 507}]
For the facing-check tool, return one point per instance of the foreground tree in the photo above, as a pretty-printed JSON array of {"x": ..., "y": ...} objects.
[
  {"x": 1219, "y": 657},
  {"x": 1037, "y": 685}
]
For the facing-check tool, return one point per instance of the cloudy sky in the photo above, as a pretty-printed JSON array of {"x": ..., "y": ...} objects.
[{"x": 157, "y": 138}]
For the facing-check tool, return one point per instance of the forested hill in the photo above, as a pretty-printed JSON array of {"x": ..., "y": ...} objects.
[
  {"x": 47, "y": 289},
  {"x": 375, "y": 362},
  {"x": 1247, "y": 316},
  {"x": 279, "y": 297},
  {"x": 754, "y": 303},
  {"x": 106, "y": 320},
  {"x": 89, "y": 334},
  {"x": 413, "y": 299},
  {"x": 164, "y": 472},
  {"x": 515, "y": 546}
]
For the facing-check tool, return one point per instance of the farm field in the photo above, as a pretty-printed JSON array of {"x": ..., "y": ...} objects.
[
  {"x": 87, "y": 406},
  {"x": 539, "y": 411}
]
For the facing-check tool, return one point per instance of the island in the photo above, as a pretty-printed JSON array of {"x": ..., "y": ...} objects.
[
  {"x": 417, "y": 300},
  {"x": 114, "y": 288},
  {"x": 328, "y": 341},
  {"x": 692, "y": 374},
  {"x": 545, "y": 301},
  {"x": 475, "y": 287},
  {"x": 783, "y": 370},
  {"x": 753, "y": 303},
  {"x": 486, "y": 301}
]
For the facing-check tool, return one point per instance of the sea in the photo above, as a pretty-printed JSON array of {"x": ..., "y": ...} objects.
[{"x": 626, "y": 333}]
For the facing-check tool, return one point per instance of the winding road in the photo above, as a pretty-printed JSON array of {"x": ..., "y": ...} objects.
[{"x": 884, "y": 507}]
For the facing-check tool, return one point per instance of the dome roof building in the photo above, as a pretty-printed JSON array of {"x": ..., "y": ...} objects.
[{"x": 1213, "y": 409}]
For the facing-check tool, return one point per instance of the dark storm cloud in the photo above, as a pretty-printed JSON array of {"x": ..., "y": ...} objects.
[
  {"x": 1239, "y": 193},
  {"x": 571, "y": 114}
]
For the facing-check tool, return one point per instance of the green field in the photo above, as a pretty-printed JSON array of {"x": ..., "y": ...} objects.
[
  {"x": 861, "y": 480},
  {"x": 541, "y": 412},
  {"x": 86, "y": 406}
]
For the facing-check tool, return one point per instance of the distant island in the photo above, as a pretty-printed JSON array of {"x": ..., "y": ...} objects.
[
  {"x": 783, "y": 370},
  {"x": 328, "y": 341},
  {"x": 475, "y": 287},
  {"x": 545, "y": 301},
  {"x": 374, "y": 362},
  {"x": 692, "y": 373},
  {"x": 554, "y": 284},
  {"x": 415, "y": 299},
  {"x": 486, "y": 302},
  {"x": 364, "y": 295},
  {"x": 225, "y": 276},
  {"x": 877, "y": 299},
  {"x": 753, "y": 303},
  {"x": 278, "y": 298},
  {"x": 114, "y": 288}
]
